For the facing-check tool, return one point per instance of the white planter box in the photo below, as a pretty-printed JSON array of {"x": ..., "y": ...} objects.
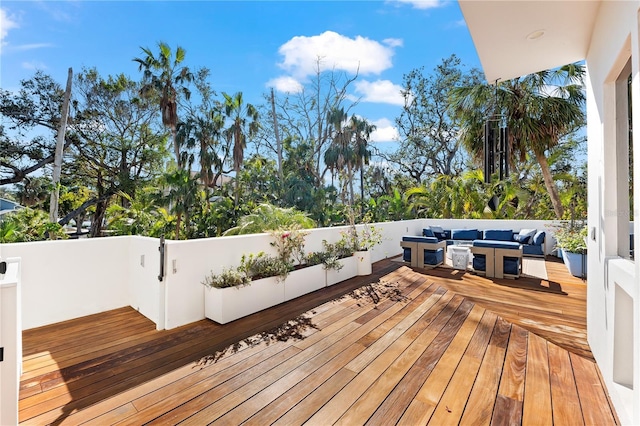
[
  {"x": 364, "y": 262},
  {"x": 224, "y": 305},
  {"x": 303, "y": 281},
  {"x": 349, "y": 270}
]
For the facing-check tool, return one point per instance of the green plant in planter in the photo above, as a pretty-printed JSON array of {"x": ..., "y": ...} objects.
[
  {"x": 290, "y": 245},
  {"x": 227, "y": 278},
  {"x": 328, "y": 257},
  {"x": 364, "y": 239},
  {"x": 343, "y": 248},
  {"x": 572, "y": 239},
  {"x": 261, "y": 265}
]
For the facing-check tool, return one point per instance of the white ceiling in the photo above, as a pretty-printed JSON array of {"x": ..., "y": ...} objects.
[{"x": 500, "y": 31}]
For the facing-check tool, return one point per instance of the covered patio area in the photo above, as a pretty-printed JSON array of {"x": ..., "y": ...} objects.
[{"x": 400, "y": 346}]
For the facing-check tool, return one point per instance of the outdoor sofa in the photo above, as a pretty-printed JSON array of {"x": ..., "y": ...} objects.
[
  {"x": 532, "y": 240},
  {"x": 423, "y": 252},
  {"x": 496, "y": 252}
]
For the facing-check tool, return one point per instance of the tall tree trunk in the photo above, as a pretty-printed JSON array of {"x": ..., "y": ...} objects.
[
  {"x": 552, "y": 189},
  {"x": 362, "y": 190},
  {"x": 178, "y": 223},
  {"x": 98, "y": 218},
  {"x": 237, "y": 185},
  {"x": 277, "y": 134},
  {"x": 176, "y": 148},
  {"x": 351, "y": 196},
  {"x": 57, "y": 164}
]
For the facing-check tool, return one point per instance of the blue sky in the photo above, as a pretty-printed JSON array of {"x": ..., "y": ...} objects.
[{"x": 249, "y": 46}]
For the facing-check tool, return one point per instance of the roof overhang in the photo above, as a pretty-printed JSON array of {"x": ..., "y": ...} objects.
[{"x": 518, "y": 37}]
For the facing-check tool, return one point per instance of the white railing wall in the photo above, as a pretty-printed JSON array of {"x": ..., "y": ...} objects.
[
  {"x": 146, "y": 291},
  {"x": 69, "y": 279},
  {"x": 188, "y": 262},
  {"x": 10, "y": 342}
]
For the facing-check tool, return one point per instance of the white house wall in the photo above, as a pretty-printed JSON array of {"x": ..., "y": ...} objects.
[{"x": 613, "y": 297}]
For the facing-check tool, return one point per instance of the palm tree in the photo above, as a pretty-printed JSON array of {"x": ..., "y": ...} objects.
[
  {"x": 340, "y": 155},
  {"x": 165, "y": 78},
  {"x": 180, "y": 193},
  {"x": 539, "y": 109},
  {"x": 203, "y": 134},
  {"x": 267, "y": 217},
  {"x": 244, "y": 124},
  {"x": 361, "y": 130}
]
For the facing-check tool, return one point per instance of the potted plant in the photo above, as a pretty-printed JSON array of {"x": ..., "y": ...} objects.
[
  {"x": 362, "y": 241},
  {"x": 339, "y": 261},
  {"x": 572, "y": 240}
]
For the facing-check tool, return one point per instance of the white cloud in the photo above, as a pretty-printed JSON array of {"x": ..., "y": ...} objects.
[
  {"x": 7, "y": 23},
  {"x": 385, "y": 131},
  {"x": 380, "y": 91},
  {"x": 285, "y": 84},
  {"x": 422, "y": 4},
  {"x": 34, "y": 65},
  {"x": 393, "y": 42},
  {"x": 335, "y": 51},
  {"x": 32, "y": 46}
]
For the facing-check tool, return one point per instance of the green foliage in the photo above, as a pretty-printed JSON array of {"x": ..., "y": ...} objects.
[
  {"x": 290, "y": 245},
  {"x": 118, "y": 171},
  {"x": 267, "y": 217},
  {"x": 572, "y": 238},
  {"x": 30, "y": 117},
  {"x": 429, "y": 143},
  {"x": 537, "y": 120},
  {"x": 28, "y": 224},
  {"x": 261, "y": 265},
  {"x": 227, "y": 278},
  {"x": 363, "y": 239},
  {"x": 329, "y": 257},
  {"x": 165, "y": 81},
  {"x": 141, "y": 217},
  {"x": 338, "y": 250}
]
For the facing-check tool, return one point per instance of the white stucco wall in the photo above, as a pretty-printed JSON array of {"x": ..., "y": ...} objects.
[
  {"x": 613, "y": 298},
  {"x": 146, "y": 292},
  {"x": 195, "y": 259},
  {"x": 68, "y": 279}
]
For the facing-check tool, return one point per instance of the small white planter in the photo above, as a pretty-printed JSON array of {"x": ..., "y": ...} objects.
[
  {"x": 303, "y": 281},
  {"x": 224, "y": 305},
  {"x": 349, "y": 270},
  {"x": 364, "y": 262}
]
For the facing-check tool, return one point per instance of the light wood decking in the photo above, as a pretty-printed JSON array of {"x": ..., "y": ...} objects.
[{"x": 439, "y": 347}]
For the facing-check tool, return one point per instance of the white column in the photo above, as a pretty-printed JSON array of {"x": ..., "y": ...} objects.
[{"x": 11, "y": 342}]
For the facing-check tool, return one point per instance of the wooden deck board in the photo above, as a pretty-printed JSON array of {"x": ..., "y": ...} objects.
[{"x": 459, "y": 349}]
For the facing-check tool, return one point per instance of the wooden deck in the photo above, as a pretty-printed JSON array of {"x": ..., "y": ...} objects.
[{"x": 417, "y": 347}]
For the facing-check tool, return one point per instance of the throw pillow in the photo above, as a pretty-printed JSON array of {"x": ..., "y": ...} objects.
[
  {"x": 525, "y": 236},
  {"x": 538, "y": 238},
  {"x": 438, "y": 232}
]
